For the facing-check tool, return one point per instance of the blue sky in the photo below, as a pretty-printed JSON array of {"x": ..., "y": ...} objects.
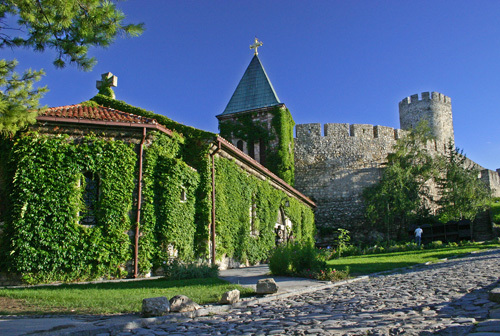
[{"x": 329, "y": 61}]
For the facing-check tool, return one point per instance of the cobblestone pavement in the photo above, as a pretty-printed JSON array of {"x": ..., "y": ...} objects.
[{"x": 448, "y": 298}]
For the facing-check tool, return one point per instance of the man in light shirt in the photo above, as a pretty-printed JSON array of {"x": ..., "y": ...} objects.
[{"x": 418, "y": 235}]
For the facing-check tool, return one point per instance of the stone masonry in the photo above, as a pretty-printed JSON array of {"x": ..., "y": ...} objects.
[{"x": 333, "y": 168}]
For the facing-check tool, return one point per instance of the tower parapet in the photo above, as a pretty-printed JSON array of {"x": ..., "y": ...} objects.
[{"x": 433, "y": 107}]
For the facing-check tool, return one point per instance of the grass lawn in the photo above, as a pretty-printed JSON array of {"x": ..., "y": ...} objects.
[
  {"x": 108, "y": 298},
  {"x": 372, "y": 263}
]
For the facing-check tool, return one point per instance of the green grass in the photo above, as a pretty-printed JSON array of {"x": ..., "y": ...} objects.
[
  {"x": 113, "y": 297},
  {"x": 367, "y": 264}
]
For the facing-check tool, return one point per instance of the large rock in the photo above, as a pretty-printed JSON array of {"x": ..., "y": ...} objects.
[
  {"x": 267, "y": 286},
  {"x": 230, "y": 297},
  {"x": 157, "y": 306},
  {"x": 181, "y": 303},
  {"x": 495, "y": 295}
]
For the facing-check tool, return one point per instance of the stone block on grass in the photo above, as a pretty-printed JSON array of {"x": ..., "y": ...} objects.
[
  {"x": 157, "y": 306},
  {"x": 181, "y": 303},
  {"x": 230, "y": 297}
]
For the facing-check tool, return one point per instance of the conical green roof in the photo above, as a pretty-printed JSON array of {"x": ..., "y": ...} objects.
[{"x": 254, "y": 90}]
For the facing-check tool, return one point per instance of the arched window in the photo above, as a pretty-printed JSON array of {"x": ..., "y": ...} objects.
[
  {"x": 262, "y": 152},
  {"x": 239, "y": 144},
  {"x": 90, "y": 183}
]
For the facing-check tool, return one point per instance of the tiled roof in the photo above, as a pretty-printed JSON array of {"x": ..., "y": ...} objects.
[
  {"x": 98, "y": 113},
  {"x": 254, "y": 90}
]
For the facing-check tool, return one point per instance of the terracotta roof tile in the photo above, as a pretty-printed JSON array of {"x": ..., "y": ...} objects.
[{"x": 99, "y": 113}]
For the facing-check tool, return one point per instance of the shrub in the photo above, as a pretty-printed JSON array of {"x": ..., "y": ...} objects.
[
  {"x": 305, "y": 261},
  {"x": 280, "y": 261},
  {"x": 306, "y": 257},
  {"x": 435, "y": 244},
  {"x": 333, "y": 275},
  {"x": 176, "y": 270},
  {"x": 342, "y": 241}
]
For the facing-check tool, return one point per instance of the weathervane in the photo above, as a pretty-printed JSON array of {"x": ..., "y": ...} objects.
[{"x": 255, "y": 45}]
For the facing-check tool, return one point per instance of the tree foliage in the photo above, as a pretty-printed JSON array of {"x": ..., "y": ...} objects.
[
  {"x": 18, "y": 97},
  {"x": 402, "y": 193},
  {"x": 69, "y": 27},
  {"x": 462, "y": 193}
]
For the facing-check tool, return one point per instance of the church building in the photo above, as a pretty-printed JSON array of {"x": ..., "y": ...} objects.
[{"x": 104, "y": 189}]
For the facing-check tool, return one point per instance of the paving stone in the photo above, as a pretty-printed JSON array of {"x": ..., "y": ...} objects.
[{"x": 443, "y": 298}]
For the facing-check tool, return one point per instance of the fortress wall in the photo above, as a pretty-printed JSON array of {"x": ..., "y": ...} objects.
[
  {"x": 434, "y": 107},
  {"x": 492, "y": 180},
  {"x": 334, "y": 168}
]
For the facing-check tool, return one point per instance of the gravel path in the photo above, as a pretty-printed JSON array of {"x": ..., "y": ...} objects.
[{"x": 448, "y": 298}]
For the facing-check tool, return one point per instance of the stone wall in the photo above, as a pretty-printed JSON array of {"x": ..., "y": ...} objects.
[
  {"x": 334, "y": 168},
  {"x": 433, "y": 107}
]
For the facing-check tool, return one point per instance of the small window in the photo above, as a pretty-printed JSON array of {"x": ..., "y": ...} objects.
[
  {"x": 183, "y": 195},
  {"x": 90, "y": 198},
  {"x": 254, "y": 231},
  {"x": 239, "y": 144}
]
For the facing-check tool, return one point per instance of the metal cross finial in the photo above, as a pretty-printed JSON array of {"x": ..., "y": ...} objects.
[
  {"x": 255, "y": 45},
  {"x": 107, "y": 80}
]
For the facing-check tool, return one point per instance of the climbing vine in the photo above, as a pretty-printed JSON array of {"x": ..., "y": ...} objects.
[
  {"x": 168, "y": 205},
  {"x": 46, "y": 242},
  {"x": 280, "y": 158},
  {"x": 236, "y": 193}
]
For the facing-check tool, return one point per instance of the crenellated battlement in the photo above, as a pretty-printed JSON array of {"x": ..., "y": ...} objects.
[
  {"x": 344, "y": 130},
  {"x": 426, "y": 97}
]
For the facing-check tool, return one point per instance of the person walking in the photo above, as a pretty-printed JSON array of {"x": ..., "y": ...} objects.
[{"x": 418, "y": 235}]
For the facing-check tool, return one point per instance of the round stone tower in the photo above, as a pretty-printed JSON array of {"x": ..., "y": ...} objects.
[{"x": 433, "y": 107}]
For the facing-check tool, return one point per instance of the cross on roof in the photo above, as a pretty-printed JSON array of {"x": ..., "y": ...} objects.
[
  {"x": 107, "y": 80},
  {"x": 255, "y": 45}
]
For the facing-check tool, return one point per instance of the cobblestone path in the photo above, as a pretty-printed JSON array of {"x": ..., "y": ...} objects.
[{"x": 447, "y": 298}]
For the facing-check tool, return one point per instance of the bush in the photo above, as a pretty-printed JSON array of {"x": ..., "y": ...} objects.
[
  {"x": 332, "y": 275},
  {"x": 176, "y": 270},
  {"x": 280, "y": 262},
  {"x": 435, "y": 244},
  {"x": 305, "y": 261}
]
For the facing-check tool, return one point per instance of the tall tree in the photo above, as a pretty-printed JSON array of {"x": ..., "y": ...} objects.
[
  {"x": 69, "y": 27},
  {"x": 402, "y": 193},
  {"x": 462, "y": 193}
]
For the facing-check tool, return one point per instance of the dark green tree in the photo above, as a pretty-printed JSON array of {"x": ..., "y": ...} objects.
[
  {"x": 462, "y": 193},
  {"x": 402, "y": 195},
  {"x": 69, "y": 27}
]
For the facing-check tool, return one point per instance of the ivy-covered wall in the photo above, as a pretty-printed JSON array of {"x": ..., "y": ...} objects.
[
  {"x": 194, "y": 152},
  {"x": 236, "y": 193},
  {"x": 168, "y": 210},
  {"x": 42, "y": 174},
  {"x": 276, "y": 141},
  {"x": 43, "y": 239}
]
